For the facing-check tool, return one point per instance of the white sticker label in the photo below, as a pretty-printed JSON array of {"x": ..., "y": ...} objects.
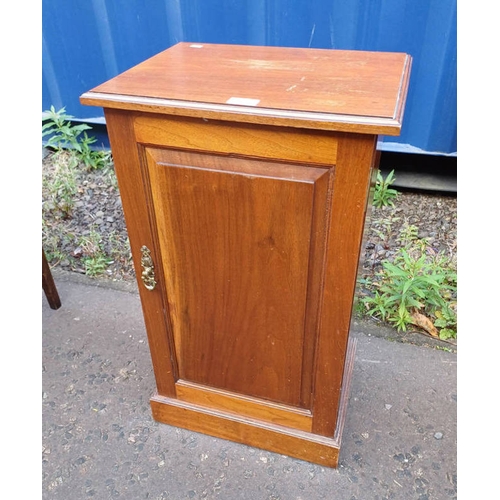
[
  {"x": 243, "y": 101},
  {"x": 196, "y": 46}
]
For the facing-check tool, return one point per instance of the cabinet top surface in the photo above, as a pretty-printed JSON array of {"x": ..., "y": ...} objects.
[{"x": 308, "y": 84}]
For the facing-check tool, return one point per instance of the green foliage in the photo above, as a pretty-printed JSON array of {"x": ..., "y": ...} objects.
[
  {"x": 60, "y": 186},
  {"x": 418, "y": 280},
  {"x": 62, "y": 177},
  {"x": 51, "y": 244},
  {"x": 384, "y": 195},
  {"x": 408, "y": 234},
  {"x": 96, "y": 264},
  {"x": 92, "y": 159},
  {"x": 64, "y": 135},
  {"x": 119, "y": 247},
  {"x": 94, "y": 257},
  {"x": 382, "y": 227}
]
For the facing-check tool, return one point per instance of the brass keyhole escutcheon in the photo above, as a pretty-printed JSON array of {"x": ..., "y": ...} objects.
[{"x": 148, "y": 268}]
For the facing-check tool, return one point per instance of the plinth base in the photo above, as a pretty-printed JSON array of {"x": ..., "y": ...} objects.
[{"x": 259, "y": 434}]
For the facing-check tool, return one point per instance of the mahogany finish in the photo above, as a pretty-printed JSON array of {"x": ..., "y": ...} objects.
[
  {"x": 355, "y": 91},
  {"x": 253, "y": 211}
]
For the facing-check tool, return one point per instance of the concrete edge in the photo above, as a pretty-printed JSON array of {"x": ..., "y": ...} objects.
[
  {"x": 101, "y": 282},
  {"x": 374, "y": 328}
]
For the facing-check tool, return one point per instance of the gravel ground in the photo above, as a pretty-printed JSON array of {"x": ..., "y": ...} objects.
[
  {"x": 92, "y": 238},
  {"x": 434, "y": 215},
  {"x": 94, "y": 227}
]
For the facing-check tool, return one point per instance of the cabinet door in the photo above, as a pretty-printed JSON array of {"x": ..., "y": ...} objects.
[{"x": 238, "y": 240}]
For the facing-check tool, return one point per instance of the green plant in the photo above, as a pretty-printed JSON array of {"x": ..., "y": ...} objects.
[
  {"x": 60, "y": 186},
  {"x": 96, "y": 264},
  {"x": 51, "y": 245},
  {"x": 109, "y": 171},
  {"x": 62, "y": 133},
  {"x": 94, "y": 257},
  {"x": 382, "y": 227},
  {"x": 54, "y": 240},
  {"x": 408, "y": 234},
  {"x": 384, "y": 195},
  {"x": 65, "y": 135},
  {"x": 92, "y": 159},
  {"x": 119, "y": 247},
  {"x": 418, "y": 288}
]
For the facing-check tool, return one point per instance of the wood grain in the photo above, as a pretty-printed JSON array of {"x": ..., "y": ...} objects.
[
  {"x": 353, "y": 173},
  {"x": 133, "y": 194},
  {"x": 249, "y": 140},
  {"x": 258, "y": 409},
  {"x": 313, "y": 80},
  {"x": 221, "y": 422},
  {"x": 254, "y": 213},
  {"x": 235, "y": 236},
  {"x": 357, "y": 91},
  {"x": 279, "y": 439}
]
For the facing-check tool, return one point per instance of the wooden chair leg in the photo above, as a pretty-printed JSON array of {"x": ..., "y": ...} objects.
[{"x": 48, "y": 285}]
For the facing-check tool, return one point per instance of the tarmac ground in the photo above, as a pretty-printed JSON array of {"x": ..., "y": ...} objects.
[{"x": 99, "y": 439}]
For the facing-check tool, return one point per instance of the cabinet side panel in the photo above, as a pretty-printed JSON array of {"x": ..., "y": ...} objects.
[
  {"x": 353, "y": 172},
  {"x": 235, "y": 237},
  {"x": 133, "y": 195}
]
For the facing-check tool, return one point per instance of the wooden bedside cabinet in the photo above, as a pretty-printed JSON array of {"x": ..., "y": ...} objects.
[{"x": 245, "y": 175}]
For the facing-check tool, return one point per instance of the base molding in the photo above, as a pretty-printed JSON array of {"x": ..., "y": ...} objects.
[{"x": 259, "y": 434}]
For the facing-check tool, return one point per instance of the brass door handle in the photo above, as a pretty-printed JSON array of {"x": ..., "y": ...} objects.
[{"x": 148, "y": 268}]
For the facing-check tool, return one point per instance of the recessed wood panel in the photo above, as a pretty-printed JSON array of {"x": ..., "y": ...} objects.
[{"x": 235, "y": 237}]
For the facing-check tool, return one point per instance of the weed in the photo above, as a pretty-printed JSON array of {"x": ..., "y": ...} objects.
[
  {"x": 383, "y": 228},
  {"x": 118, "y": 247},
  {"x": 408, "y": 234},
  {"x": 92, "y": 159},
  {"x": 52, "y": 243},
  {"x": 418, "y": 284},
  {"x": 111, "y": 175},
  {"x": 446, "y": 349},
  {"x": 60, "y": 186},
  {"x": 64, "y": 135},
  {"x": 96, "y": 264},
  {"x": 358, "y": 308},
  {"x": 72, "y": 151},
  {"x": 94, "y": 258},
  {"x": 384, "y": 195}
]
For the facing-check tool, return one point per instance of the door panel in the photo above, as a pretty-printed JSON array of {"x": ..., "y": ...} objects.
[{"x": 235, "y": 237}]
